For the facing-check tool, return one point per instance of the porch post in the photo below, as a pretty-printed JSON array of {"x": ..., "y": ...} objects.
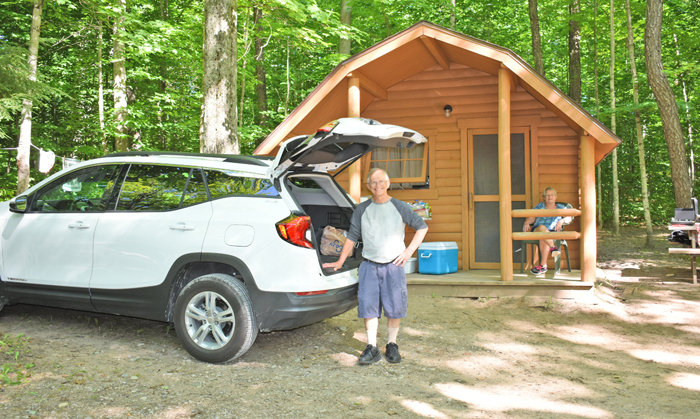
[
  {"x": 588, "y": 216},
  {"x": 504, "y": 187},
  {"x": 354, "y": 171}
]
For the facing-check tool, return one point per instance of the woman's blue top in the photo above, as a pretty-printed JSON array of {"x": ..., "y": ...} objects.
[{"x": 549, "y": 222}]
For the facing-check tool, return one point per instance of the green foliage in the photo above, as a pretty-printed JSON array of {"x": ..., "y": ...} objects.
[
  {"x": 551, "y": 304},
  {"x": 14, "y": 371},
  {"x": 164, "y": 71},
  {"x": 16, "y": 86}
]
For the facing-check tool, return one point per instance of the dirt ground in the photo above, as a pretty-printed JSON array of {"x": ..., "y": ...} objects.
[{"x": 630, "y": 350}]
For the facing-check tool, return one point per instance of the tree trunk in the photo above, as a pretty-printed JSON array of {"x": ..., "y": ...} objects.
[
  {"x": 100, "y": 92},
  {"x": 386, "y": 20},
  {"x": 574, "y": 53},
  {"x": 122, "y": 142},
  {"x": 667, "y": 105},
  {"x": 599, "y": 189},
  {"x": 244, "y": 66},
  {"x": 638, "y": 124},
  {"x": 260, "y": 76},
  {"x": 613, "y": 124},
  {"x": 687, "y": 117},
  {"x": 25, "y": 126},
  {"x": 162, "y": 117},
  {"x": 286, "y": 101},
  {"x": 536, "y": 39},
  {"x": 218, "y": 129},
  {"x": 452, "y": 15},
  {"x": 345, "y": 20}
]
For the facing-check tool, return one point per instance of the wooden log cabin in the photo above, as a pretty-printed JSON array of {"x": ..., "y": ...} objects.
[{"x": 508, "y": 135}]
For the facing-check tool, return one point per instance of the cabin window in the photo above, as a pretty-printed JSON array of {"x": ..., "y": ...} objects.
[{"x": 407, "y": 168}]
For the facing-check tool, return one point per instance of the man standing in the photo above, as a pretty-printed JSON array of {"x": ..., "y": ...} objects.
[{"x": 381, "y": 222}]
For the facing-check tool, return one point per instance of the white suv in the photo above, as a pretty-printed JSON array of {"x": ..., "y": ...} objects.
[{"x": 220, "y": 246}]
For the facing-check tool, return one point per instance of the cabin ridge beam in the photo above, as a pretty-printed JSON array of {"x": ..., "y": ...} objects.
[
  {"x": 504, "y": 186},
  {"x": 436, "y": 51}
]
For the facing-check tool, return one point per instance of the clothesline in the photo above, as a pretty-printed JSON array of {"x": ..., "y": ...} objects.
[
  {"x": 47, "y": 159},
  {"x": 17, "y": 148}
]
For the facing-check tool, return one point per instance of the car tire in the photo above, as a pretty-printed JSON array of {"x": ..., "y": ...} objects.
[{"x": 214, "y": 318}]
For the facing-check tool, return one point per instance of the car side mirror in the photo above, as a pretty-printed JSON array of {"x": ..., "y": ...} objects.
[{"x": 19, "y": 204}]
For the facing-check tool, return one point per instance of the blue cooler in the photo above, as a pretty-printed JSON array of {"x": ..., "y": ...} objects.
[{"x": 437, "y": 258}]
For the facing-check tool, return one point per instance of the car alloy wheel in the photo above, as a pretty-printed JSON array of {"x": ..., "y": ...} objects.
[
  {"x": 209, "y": 320},
  {"x": 214, "y": 318}
]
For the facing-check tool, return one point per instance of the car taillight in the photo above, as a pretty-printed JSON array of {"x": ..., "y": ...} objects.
[
  {"x": 294, "y": 229},
  {"x": 303, "y": 294},
  {"x": 328, "y": 127}
]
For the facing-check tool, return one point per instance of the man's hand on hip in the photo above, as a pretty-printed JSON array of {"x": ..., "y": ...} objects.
[{"x": 402, "y": 258}]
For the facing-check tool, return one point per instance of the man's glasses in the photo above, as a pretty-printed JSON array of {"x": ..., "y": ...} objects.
[{"x": 378, "y": 183}]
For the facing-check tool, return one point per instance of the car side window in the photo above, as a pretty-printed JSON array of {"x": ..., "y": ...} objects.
[
  {"x": 153, "y": 188},
  {"x": 85, "y": 189},
  {"x": 224, "y": 183}
]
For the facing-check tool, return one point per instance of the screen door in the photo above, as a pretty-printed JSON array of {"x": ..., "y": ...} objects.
[{"x": 484, "y": 212}]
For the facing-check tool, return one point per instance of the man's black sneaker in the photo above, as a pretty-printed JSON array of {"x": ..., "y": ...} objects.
[
  {"x": 392, "y": 353},
  {"x": 370, "y": 355}
]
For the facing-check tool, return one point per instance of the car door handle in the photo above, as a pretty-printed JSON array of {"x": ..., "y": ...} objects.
[
  {"x": 181, "y": 226},
  {"x": 78, "y": 225}
]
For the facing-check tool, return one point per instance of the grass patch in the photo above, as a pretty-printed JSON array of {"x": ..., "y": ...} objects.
[{"x": 13, "y": 351}]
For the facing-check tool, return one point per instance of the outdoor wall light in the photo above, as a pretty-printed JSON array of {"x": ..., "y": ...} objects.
[{"x": 448, "y": 111}]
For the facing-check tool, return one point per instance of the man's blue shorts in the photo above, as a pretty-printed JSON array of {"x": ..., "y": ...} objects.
[{"x": 382, "y": 286}]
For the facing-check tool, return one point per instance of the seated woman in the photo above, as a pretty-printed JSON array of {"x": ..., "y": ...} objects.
[{"x": 543, "y": 224}]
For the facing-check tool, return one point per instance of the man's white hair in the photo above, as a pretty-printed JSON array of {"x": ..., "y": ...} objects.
[{"x": 377, "y": 169}]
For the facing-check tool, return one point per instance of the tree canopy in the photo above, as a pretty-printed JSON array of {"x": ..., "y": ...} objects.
[{"x": 163, "y": 61}]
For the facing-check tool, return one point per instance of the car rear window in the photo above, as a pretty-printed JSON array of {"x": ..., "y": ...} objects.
[
  {"x": 153, "y": 188},
  {"x": 223, "y": 183}
]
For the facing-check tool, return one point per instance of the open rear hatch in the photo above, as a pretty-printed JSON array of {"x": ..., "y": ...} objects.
[
  {"x": 303, "y": 163},
  {"x": 338, "y": 144}
]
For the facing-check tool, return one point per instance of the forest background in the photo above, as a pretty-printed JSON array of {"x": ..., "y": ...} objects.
[{"x": 285, "y": 48}]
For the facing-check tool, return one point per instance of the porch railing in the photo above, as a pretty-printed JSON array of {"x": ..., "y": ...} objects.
[{"x": 553, "y": 235}]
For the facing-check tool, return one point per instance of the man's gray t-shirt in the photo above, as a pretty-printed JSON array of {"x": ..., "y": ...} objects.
[{"x": 382, "y": 228}]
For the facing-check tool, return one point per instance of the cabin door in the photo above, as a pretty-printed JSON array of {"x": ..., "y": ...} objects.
[{"x": 484, "y": 231}]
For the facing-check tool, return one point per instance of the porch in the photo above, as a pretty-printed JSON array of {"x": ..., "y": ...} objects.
[{"x": 488, "y": 283}]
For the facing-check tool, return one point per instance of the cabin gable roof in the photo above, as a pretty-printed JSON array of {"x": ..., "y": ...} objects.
[{"x": 412, "y": 51}]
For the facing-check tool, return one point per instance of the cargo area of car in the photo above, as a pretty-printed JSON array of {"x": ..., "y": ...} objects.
[{"x": 327, "y": 204}]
